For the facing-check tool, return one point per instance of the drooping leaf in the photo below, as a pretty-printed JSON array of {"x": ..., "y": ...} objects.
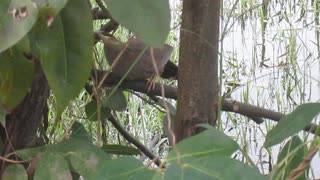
[
  {"x": 292, "y": 123},
  {"x": 212, "y": 167},
  {"x": 65, "y": 49},
  {"x": 91, "y": 111},
  {"x": 149, "y": 20},
  {"x": 16, "y": 21},
  {"x": 208, "y": 143},
  {"x": 289, "y": 158},
  {"x": 52, "y": 166},
  {"x": 15, "y": 171},
  {"x": 16, "y": 74},
  {"x": 117, "y": 101},
  {"x": 120, "y": 149}
]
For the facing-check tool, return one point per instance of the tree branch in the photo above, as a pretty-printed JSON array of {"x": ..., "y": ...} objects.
[
  {"x": 104, "y": 10},
  {"x": 132, "y": 140},
  {"x": 171, "y": 93},
  {"x": 98, "y": 14}
]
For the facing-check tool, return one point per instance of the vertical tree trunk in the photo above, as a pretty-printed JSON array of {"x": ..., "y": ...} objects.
[
  {"x": 24, "y": 121},
  {"x": 198, "y": 67}
]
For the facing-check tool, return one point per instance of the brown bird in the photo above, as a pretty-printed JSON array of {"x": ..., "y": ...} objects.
[{"x": 121, "y": 56}]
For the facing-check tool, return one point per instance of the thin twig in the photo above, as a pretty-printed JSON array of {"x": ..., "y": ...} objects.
[
  {"x": 303, "y": 165},
  {"x": 11, "y": 161}
]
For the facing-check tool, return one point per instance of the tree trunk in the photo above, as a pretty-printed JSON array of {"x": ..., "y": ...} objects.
[
  {"x": 24, "y": 121},
  {"x": 198, "y": 67}
]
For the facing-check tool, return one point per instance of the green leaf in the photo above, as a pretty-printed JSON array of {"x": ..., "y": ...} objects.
[
  {"x": 4, "y": 7},
  {"x": 125, "y": 168},
  {"x": 213, "y": 167},
  {"x": 120, "y": 149},
  {"x": 289, "y": 158},
  {"x": 16, "y": 22},
  {"x": 83, "y": 156},
  {"x": 16, "y": 74},
  {"x": 208, "y": 143},
  {"x": 30, "y": 153},
  {"x": 149, "y": 20},
  {"x": 79, "y": 132},
  {"x": 50, "y": 7},
  {"x": 87, "y": 162},
  {"x": 205, "y": 125},
  {"x": 91, "y": 111},
  {"x": 13, "y": 172},
  {"x": 117, "y": 101},
  {"x": 292, "y": 123},
  {"x": 2, "y": 113},
  {"x": 18, "y": 17},
  {"x": 52, "y": 166},
  {"x": 65, "y": 49},
  {"x": 79, "y": 139}
]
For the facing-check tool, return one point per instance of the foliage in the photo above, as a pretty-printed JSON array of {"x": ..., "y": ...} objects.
[
  {"x": 17, "y": 19},
  {"x": 289, "y": 158},
  {"x": 92, "y": 113},
  {"x": 149, "y": 20},
  {"x": 292, "y": 123},
  {"x": 198, "y": 157},
  {"x": 17, "y": 74},
  {"x": 61, "y": 41},
  {"x": 65, "y": 50},
  {"x": 185, "y": 162},
  {"x": 15, "y": 171}
]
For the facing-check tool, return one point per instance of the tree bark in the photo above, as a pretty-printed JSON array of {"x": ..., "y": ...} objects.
[
  {"x": 24, "y": 121},
  {"x": 198, "y": 67}
]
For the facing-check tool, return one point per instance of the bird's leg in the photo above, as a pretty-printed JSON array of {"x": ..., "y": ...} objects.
[{"x": 151, "y": 82}]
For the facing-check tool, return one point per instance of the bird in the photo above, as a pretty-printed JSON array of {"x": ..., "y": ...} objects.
[{"x": 122, "y": 55}]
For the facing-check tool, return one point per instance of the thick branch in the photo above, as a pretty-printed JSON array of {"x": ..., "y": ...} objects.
[{"x": 171, "y": 93}]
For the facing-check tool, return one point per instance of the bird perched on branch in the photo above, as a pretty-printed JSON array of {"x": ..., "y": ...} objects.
[{"x": 154, "y": 61}]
